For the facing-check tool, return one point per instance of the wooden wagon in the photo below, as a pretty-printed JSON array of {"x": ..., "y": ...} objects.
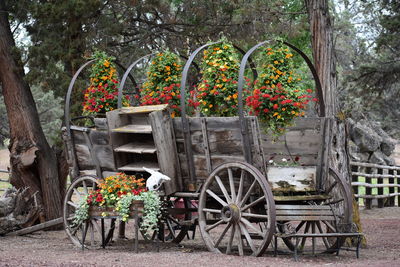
[{"x": 220, "y": 177}]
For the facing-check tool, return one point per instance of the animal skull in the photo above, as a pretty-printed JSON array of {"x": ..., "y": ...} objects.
[{"x": 155, "y": 180}]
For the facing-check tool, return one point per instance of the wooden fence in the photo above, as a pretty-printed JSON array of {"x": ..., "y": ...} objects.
[
  {"x": 376, "y": 184},
  {"x": 4, "y": 180}
]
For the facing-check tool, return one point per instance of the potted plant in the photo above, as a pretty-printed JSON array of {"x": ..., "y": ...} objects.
[{"x": 121, "y": 195}]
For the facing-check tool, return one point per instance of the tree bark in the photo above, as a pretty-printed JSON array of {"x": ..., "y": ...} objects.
[
  {"x": 325, "y": 64},
  {"x": 33, "y": 162}
]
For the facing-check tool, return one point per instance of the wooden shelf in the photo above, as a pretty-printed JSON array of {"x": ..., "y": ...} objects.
[
  {"x": 137, "y": 148},
  {"x": 131, "y": 128},
  {"x": 138, "y": 166},
  {"x": 142, "y": 109}
]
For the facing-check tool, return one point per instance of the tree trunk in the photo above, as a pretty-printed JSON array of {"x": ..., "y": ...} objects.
[
  {"x": 33, "y": 162},
  {"x": 325, "y": 64}
]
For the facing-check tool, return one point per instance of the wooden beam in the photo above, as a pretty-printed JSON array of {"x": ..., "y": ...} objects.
[{"x": 37, "y": 227}]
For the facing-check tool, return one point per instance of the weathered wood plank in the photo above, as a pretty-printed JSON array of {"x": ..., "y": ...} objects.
[
  {"x": 137, "y": 147},
  {"x": 292, "y": 179},
  {"x": 302, "y": 207},
  {"x": 164, "y": 140},
  {"x": 301, "y": 198},
  {"x": 305, "y": 218},
  {"x": 132, "y": 128},
  {"x": 142, "y": 109},
  {"x": 206, "y": 145},
  {"x": 309, "y": 212},
  {"x": 37, "y": 227},
  {"x": 138, "y": 166}
]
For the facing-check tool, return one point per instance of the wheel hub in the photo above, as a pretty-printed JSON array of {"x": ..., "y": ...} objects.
[{"x": 230, "y": 213}]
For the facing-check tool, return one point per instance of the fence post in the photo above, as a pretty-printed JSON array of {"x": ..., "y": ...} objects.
[
  {"x": 379, "y": 180},
  {"x": 354, "y": 178},
  {"x": 391, "y": 200},
  {"x": 368, "y": 190}
]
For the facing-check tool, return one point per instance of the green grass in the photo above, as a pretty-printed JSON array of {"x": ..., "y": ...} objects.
[{"x": 374, "y": 191}]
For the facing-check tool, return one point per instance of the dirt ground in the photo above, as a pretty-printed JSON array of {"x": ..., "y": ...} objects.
[{"x": 53, "y": 248}]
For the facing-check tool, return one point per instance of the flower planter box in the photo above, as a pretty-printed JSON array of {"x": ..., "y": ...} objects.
[
  {"x": 293, "y": 178},
  {"x": 96, "y": 211}
]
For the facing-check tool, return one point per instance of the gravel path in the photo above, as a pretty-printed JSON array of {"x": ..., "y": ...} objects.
[{"x": 381, "y": 226}]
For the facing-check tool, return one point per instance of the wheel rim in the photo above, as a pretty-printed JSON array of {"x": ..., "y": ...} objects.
[
  {"x": 340, "y": 202},
  {"x": 236, "y": 210},
  {"x": 81, "y": 187},
  {"x": 171, "y": 228}
]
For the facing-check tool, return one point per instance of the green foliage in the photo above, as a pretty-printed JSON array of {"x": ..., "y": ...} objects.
[
  {"x": 151, "y": 211},
  {"x": 278, "y": 96},
  {"x": 163, "y": 81},
  {"x": 102, "y": 94},
  {"x": 217, "y": 91}
]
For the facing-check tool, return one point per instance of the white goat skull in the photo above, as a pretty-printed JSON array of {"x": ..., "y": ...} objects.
[{"x": 155, "y": 180}]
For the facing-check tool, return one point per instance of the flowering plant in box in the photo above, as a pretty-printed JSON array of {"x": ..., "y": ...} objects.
[
  {"x": 102, "y": 94},
  {"x": 278, "y": 96},
  {"x": 163, "y": 82},
  {"x": 217, "y": 92},
  {"x": 118, "y": 191}
]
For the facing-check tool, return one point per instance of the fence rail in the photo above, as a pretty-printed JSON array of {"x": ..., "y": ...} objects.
[
  {"x": 4, "y": 180},
  {"x": 373, "y": 182}
]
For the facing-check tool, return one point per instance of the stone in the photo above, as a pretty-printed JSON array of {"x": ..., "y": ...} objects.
[
  {"x": 365, "y": 138},
  {"x": 388, "y": 143},
  {"x": 361, "y": 157},
  {"x": 379, "y": 158}
]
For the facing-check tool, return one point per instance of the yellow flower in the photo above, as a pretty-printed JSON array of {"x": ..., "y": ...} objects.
[
  {"x": 210, "y": 106},
  {"x": 104, "y": 78},
  {"x": 106, "y": 63},
  {"x": 275, "y": 114},
  {"x": 276, "y": 62}
]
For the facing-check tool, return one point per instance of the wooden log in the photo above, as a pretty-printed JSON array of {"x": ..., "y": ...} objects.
[
  {"x": 378, "y": 196},
  {"x": 38, "y": 227},
  {"x": 364, "y": 164},
  {"x": 356, "y": 184}
]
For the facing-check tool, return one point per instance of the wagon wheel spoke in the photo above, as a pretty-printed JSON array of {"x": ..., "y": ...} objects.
[
  {"x": 231, "y": 237},
  {"x": 247, "y": 195},
  {"x": 232, "y": 226},
  {"x": 300, "y": 225},
  {"x": 329, "y": 226},
  {"x": 248, "y": 224},
  {"x": 78, "y": 193},
  {"x": 85, "y": 187},
  {"x": 72, "y": 204},
  {"x": 324, "y": 239},
  {"x": 247, "y": 236},
  {"x": 255, "y": 202},
  {"x": 239, "y": 240},
  {"x": 208, "y": 228},
  {"x": 303, "y": 239},
  {"x": 241, "y": 184},
  {"x": 232, "y": 185},
  {"x": 222, "y": 235},
  {"x": 212, "y": 210},
  {"x": 217, "y": 198},
  {"x": 223, "y": 189},
  {"x": 170, "y": 228}
]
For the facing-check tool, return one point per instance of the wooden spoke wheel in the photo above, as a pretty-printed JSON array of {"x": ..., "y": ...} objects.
[
  {"x": 173, "y": 226},
  {"x": 236, "y": 210},
  {"x": 91, "y": 230},
  {"x": 340, "y": 204}
]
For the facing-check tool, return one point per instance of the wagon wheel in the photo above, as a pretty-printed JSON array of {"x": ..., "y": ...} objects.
[
  {"x": 81, "y": 187},
  {"x": 340, "y": 202},
  {"x": 236, "y": 210},
  {"x": 171, "y": 227}
]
